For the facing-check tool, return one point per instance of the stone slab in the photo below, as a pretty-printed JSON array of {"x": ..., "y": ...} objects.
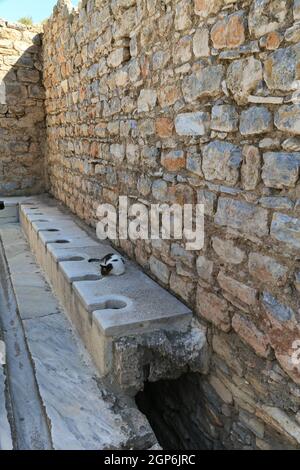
[{"x": 5, "y": 431}]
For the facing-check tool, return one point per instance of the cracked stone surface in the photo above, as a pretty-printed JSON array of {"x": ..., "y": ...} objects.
[{"x": 82, "y": 411}]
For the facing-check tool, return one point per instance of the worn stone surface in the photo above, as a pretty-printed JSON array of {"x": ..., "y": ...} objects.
[
  {"x": 213, "y": 308},
  {"x": 5, "y": 430},
  {"x": 22, "y": 115},
  {"x": 251, "y": 335},
  {"x": 287, "y": 119},
  {"x": 224, "y": 118},
  {"x": 76, "y": 404},
  {"x": 238, "y": 63},
  {"x": 227, "y": 251},
  {"x": 192, "y": 123},
  {"x": 246, "y": 294},
  {"x": 242, "y": 216},
  {"x": 267, "y": 270},
  {"x": 286, "y": 229},
  {"x": 229, "y": 32},
  {"x": 280, "y": 69},
  {"x": 251, "y": 167},
  {"x": 256, "y": 120},
  {"x": 266, "y": 16},
  {"x": 243, "y": 76},
  {"x": 280, "y": 169},
  {"x": 201, "y": 43},
  {"x": 221, "y": 161},
  {"x": 206, "y": 83}
]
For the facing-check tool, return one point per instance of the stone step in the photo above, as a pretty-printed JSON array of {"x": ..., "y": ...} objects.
[
  {"x": 82, "y": 411},
  {"x": 5, "y": 429}
]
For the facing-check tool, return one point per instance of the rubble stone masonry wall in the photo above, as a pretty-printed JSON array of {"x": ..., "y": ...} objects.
[
  {"x": 22, "y": 117},
  {"x": 195, "y": 101}
]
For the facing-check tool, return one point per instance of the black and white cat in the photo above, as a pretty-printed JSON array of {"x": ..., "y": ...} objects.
[
  {"x": 2, "y": 206},
  {"x": 111, "y": 264}
]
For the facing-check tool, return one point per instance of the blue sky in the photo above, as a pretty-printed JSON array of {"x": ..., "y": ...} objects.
[{"x": 13, "y": 10}]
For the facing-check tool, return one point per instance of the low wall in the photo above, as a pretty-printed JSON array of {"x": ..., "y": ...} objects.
[
  {"x": 186, "y": 101},
  {"x": 22, "y": 116}
]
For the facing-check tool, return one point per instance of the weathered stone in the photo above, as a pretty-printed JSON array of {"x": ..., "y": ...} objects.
[
  {"x": 296, "y": 9},
  {"x": 286, "y": 229},
  {"x": 267, "y": 270},
  {"x": 205, "y": 8},
  {"x": 280, "y": 312},
  {"x": 118, "y": 56},
  {"x": 221, "y": 161},
  {"x": 173, "y": 160},
  {"x": 192, "y": 123},
  {"x": 227, "y": 251},
  {"x": 293, "y": 34},
  {"x": 206, "y": 82},
  {"x": 182, "y": 287},
  {"x": 160, "y": 190},
  {"x": 209, "y": 200},
  {"x": 183, "y": 15},
  {"x": 147, "y": 101},
  {"x": 201, "y": 43},
  {"x": 243, "y": 76},
  {"x": 168, "y": 95},
  {"x": 278, "y": 203},
  {"x": 269, "y": 143},
  {"x": 224, "y": 118},
  {"x": 246, "y": 294},
  {"x": 281, "y": 69},
  {"x": 271, "y": 41},
  {"x": 205, "y": 268},
  {"x": 229, "y": 32},
  {"x": 221, "y": 390},
  {"x": 214, "y": 309},
  {"x": 287, "y": 119},
  {"x": 31, "y": 76},
  {"x": 183, "y": 50},
  {"x": 297, "y": 281},
  {"x": 159, "y": 269},
  {"x": 223, "y": 348},
  {"x": 242, "y": 216},
  {"x": 256, "y": 120},
  {"x": 164, "y": 127},
  {"x": 194, "y": 163},
  {"x": 265, "y": 99},
  {"x": 117, "y": 152},
  {"x": 251, "y": 167},
  {"x": 281, "y": 170},
  {"x": 249, "y": 333},
  {"x": 280, "y": 420},
  {"x": 266, "y": 16}
]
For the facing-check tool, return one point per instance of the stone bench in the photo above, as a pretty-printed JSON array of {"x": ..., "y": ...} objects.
[{"x": 104, "y": 310}]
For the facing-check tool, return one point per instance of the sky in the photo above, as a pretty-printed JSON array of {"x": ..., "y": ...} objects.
[{"x": 13, "y": 10}]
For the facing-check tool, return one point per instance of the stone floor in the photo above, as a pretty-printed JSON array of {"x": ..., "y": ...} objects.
[{"x": 51, "y": 396}]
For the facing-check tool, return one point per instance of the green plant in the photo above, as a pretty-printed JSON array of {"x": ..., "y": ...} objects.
[{"x": 26, "y": 20}]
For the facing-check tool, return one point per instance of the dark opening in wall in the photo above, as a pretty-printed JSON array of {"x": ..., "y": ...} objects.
[
  {"x": 177, "y": 413},
  {"x": 2, "y": 206}
]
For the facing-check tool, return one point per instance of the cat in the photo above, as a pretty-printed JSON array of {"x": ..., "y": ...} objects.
[
  {"x": 111, "y": 264},
  {"x": 2, "y": 206}
]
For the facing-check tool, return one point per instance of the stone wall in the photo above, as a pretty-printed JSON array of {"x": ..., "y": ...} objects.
[
  {"x": 22, "y": 118},
  {"x": 186, "y": 101}
]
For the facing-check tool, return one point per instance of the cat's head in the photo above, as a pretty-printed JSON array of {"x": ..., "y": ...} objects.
[{"x": 106, "y": 269}]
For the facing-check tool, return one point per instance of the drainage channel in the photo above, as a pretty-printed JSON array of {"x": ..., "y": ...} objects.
[
  {"x": 176, "y": 413},
  {"x": 26, "y": 414}
]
